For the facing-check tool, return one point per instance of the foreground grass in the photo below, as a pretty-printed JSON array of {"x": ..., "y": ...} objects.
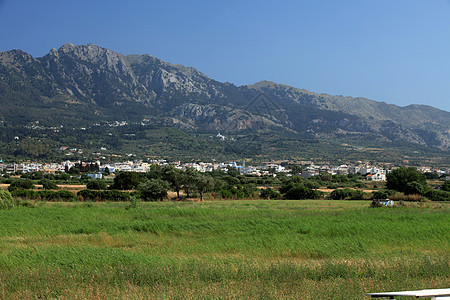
[{"x": 227, "y": 249}]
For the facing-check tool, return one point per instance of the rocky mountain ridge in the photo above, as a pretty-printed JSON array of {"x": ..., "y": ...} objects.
[{"x": 75, "y": 84}]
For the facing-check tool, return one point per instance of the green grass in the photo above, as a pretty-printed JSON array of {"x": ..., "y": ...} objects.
[{"x": 225, "y": 249}]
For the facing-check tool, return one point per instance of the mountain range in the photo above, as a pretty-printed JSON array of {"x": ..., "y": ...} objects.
[{"x": 81, "y": 85}]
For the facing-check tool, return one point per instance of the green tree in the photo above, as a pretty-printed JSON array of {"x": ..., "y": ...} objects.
[
  {"x": 23, "y": 184},
  {"x": 446, "y": 186},
  {"x": 349, "y": 194},
  {"x": 270, "y": 194},
  {"x": 203, "y": 183},
  {"x": 296, "y": 169},
  {"x": 106, "y": 172},
  {"x": 399, "y": 178},
  {"x": 48, "y": 185},
  {"x": 74, "y": 171},
  {"x": 188, "y": 180},
  {"x": 414, "y": 187},
  {"x": 174, "y": 176},
  {"x": 126, "y": 181},
  {"x": 297, "y": 191},
  {"x": 325, "y": 176},
  {"x": 153, "y": 189},
  {"x": 96, "y": 184}
]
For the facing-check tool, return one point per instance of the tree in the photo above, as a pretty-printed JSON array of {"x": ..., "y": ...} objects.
[
  {"x": 48, "y": 185},
  {"x": 431, "y": 175},
  {"x": 96, "y": 184},
  {"x": 233, "y": 172},
  {"x": 153, "y": 189},
  {"x": 203, "y": 183},
  {"x": 299, "y": 191},
  {"x": 174, "y": 176},
  {"x": 399, "y": 178},
  {"x": 325, "y": 176},
  {"x": 106, "y": 171},
  {"x": 446, "y": 186},
  {"x": 74, "y": 171},
  {"x": 270, "y": 194},
  {"x": 126, "y": 181},
  {"x": 156, "y": 171},
  {"x": 349, "y": 194},
  {"x": 296, "y": 169},
  {"x": 188, "y": 180},
  {"x": 23, "y": 184},
  {"x": 414, "y": 187}
]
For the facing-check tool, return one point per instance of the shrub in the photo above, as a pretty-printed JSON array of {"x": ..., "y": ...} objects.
[
  {"x": 96, "y": 184},
  {"x": 414, "y": 187},
  {"x": 126, "y": 181},
  {"x": 341, "y": 194},
  {"x": 403, "y": 197},
  {"x": 348, "y": 194},
  {"x": 20, "y": 184},
  {"x": 108, "y": 195},
  {"x": 48, "y": 185},
  {"x": 446, "y": 186},
  {"x": 226, "y": 193},
  {"x": 438, "y": 195},
  {"x": 270, "y": 194},
  {"x": 44, "y": 195},
  {"x": 6, "y": 200},
  {"x": 383, "y": 194},
  {"x": 300, "y": 191},
  {"x": 154, "y": 189},
  {"x": 135, "y": 202}
]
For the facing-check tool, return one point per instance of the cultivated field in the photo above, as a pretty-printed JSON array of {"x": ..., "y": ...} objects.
[{"x": 223, "y": 249}]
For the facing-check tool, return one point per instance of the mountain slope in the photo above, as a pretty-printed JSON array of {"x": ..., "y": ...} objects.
[{"x": 76, "y": 85}]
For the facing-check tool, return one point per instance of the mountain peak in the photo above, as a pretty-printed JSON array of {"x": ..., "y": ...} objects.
[{"x": 111, "y": 85}]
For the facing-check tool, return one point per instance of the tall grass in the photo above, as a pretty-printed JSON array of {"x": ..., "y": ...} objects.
[{"x": 229, "y": 249}]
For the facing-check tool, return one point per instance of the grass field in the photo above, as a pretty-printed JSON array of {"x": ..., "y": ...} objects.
[{"x": 224, "y": 249}]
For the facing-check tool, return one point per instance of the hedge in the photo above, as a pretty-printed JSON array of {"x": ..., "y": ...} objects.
[
  {"x": 44, "y": 195},
  {"x": 105, "y": 195}
]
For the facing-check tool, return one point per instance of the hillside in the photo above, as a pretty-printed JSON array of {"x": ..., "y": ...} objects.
[{"x": 79, "y": 86}]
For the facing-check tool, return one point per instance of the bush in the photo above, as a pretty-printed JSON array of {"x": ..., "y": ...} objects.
[
  {"x": 270, "y": 194},
  {"x": 403, "y": 197},
  {"x": 414, "y": 187},
  {"x": 6, "y": 200},
  {"x": 20, "y": 184},
  {"x": 108, "y": 195},
  {"x": 44, "y": 195},
  {"x": 381, "y": 194},
  {"x": 153, "y": 190},
  {"x": 48, "y": 185},
  {"x": 300, "y": 191},
  {"x": 135, "y": 202},
  {"x": 126, "y": 181},
  {"x": 446, "y": 186},
  {"x": 438, "y": 195},
  {"x": 347, "y": 194},
  {"x": 96, "y": 184}
]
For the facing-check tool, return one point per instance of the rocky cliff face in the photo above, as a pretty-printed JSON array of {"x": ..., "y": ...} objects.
[{"x": 86, "y": 83}]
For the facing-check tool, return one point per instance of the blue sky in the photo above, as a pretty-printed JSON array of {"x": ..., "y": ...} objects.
[{"x": 397, "y": 51}]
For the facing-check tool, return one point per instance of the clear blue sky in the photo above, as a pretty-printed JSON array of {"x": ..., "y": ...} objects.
[{"x": 397, "y": 51}]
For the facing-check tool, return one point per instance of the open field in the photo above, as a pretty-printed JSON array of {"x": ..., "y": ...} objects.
[{"x": 224, "y": 249}]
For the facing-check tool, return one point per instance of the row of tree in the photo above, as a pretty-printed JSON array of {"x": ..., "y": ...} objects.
[{"x": 155, "y": 184}]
